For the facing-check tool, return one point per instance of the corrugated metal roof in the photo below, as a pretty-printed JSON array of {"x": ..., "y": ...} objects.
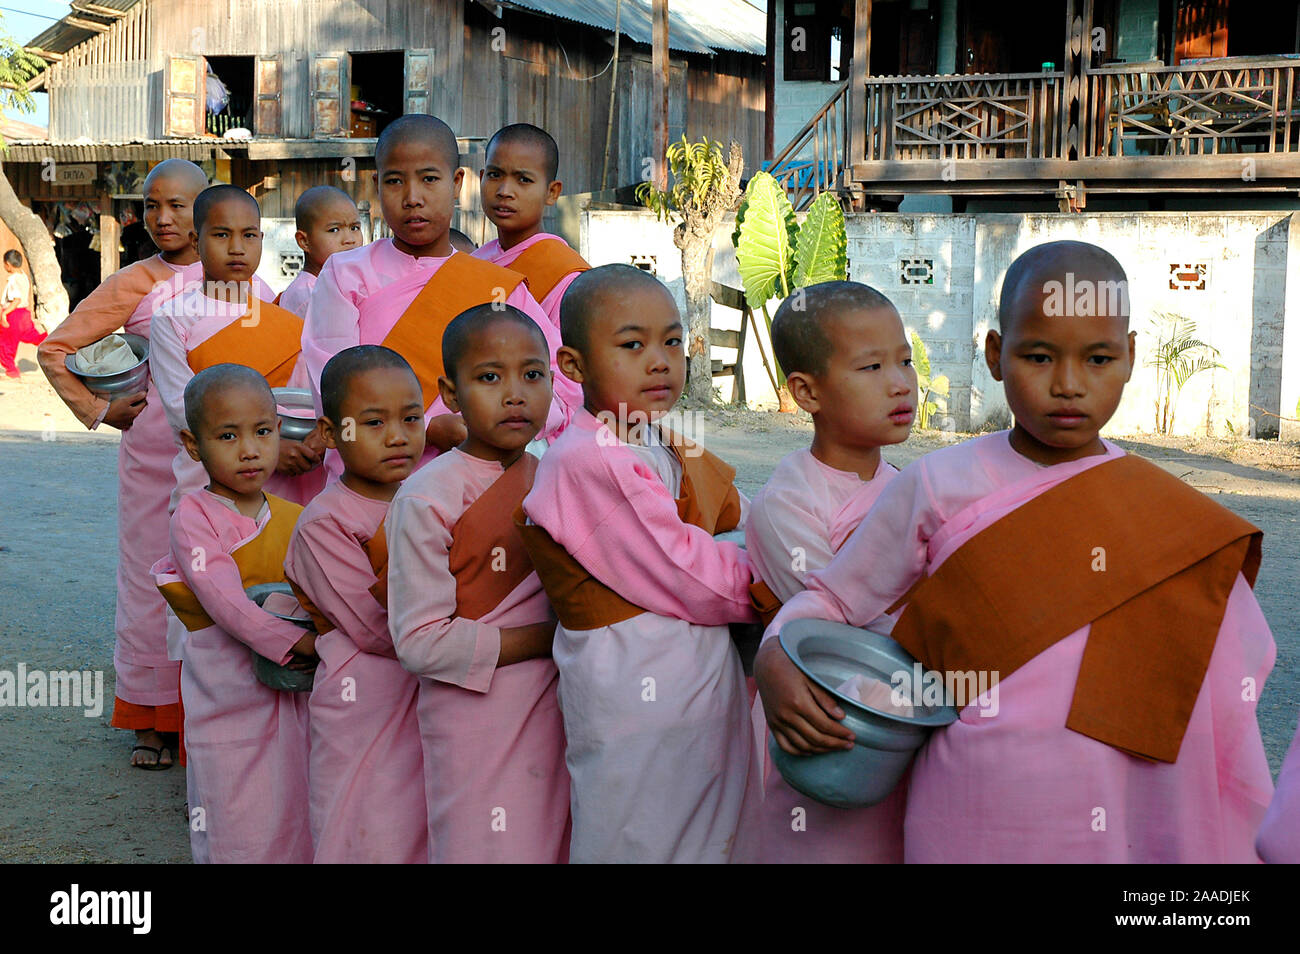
[
  {"x": 63, "y": 36},
  {"x": 694, "y": 26},
  {"x": 36, "y": 150}
]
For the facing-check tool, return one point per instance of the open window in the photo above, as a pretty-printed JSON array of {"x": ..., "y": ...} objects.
[
  {"x": 818, "y": 39},
  {"x": 230, "y": 94},
  {"x": 377, "y": 93},
  {"x": 355, "y": 95}
]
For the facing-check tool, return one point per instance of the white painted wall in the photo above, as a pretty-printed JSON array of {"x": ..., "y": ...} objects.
[{"x": 1252, "y": 284}]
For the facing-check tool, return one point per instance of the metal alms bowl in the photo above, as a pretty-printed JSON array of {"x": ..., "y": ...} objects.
[
  {"x": 130, "y": 381},
  {"x": 269, "y": 673},
  {"x": 294, "y": 427},
  {"x": 830, "y": 654}
]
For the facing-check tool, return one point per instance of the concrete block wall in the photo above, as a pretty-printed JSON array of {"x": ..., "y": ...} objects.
[{"x": 1137, "y": 26}]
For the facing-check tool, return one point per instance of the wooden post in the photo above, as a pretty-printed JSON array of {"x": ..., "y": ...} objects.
[
  {"x": 858, "y": 73},
  {"x": 659, "y": 68},
  {"x": 110, "y": 234}
]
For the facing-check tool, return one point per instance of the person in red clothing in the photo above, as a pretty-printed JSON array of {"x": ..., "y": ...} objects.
[{"x": 16, "y": 324}]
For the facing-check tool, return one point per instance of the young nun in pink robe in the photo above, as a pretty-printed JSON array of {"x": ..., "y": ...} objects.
[
  {"x": 297, "y": 295},
  {"x": 1009, "y": 781},
  {"x": 246, "y": 775},
  {"x": 660, "y": 746},
  {"x": 469, "y": 614},
  {"x": 1279, "y": 835},
  {"x": 197, "y": 329},
  {"x": 848, "y": 363},
  {"x": 367, "y": 786},
  {"x": 518, "y": 183},
  {"x": 327, "y": 221},
  {"x": 403, "y": 291},
  {"x": 147, "y": 690}
]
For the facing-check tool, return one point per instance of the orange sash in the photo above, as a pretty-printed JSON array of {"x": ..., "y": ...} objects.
[
  {"x": 269, "y": 343},
  {"x": 708, "y": 500},
  {"x": 545, "y": 263},
  {"x": 377, "y": 552},
  {"x": 488, "y": 556},
  {"x": 460, "y": 283},
  {"x": 1153, "y": 587},
  {"x": 764, "y": 601},
  {"x": 260, "y": 560}
]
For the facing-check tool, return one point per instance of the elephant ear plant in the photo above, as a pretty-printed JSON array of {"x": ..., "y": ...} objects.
[{"x": 777, "y": 256}]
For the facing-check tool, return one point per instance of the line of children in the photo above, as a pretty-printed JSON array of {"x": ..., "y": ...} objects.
[
  {"x": 327, "y": 221},
  {"x": 1113, "y": 602},
  {"x": 147, "y": 695},
  {"x": 470, "y": 616},
  {"x": 247, "y": 744},
  {"x": 403, "y": 291},
  {"x": 847, "y": 363},
  {"x": 229, "y": 318},
  {"x": 366, "y": 783}
]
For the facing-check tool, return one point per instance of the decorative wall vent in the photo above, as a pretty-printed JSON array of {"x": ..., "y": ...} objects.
[
  {"x": 291, "y": 263},
  {"x": 1188, "y": 277},
  {"x": 916, "y": 271},
  {"x": 647, "y": 263}
]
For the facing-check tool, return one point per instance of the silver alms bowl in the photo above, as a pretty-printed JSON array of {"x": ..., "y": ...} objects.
[{"x": 130, "y": 381}]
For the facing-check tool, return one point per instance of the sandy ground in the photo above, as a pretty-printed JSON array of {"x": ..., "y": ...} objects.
[{"x": 66, "y": 792}]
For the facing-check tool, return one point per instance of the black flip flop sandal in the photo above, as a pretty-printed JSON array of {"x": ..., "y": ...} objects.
[{"x": 158, "y": 765}]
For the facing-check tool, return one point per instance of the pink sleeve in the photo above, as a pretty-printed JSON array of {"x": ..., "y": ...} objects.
[
  {"x": 169, "y": 367},
  {"x": 332, "y": 324},
  {"x": 568, "y": 394},
  {"x": 786, "y": 539},
  {"x": 1279, "y": 835},
  {"x": 212, "y": 575},
  {"x": 431, "y": 641},
  {"x": 330, "y": 566},
  {"x": 618, "y": 520},
  {"x": 885, "y": 555}
]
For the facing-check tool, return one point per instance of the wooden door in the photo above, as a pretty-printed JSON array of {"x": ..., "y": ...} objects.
[
  {"x": 418, "y": 97},
  {"x": 330, "y": 94},
  {"x": 267, "y": 108},
  {"x": 184, "y": 95},
  {"x": 1201, "y": 29}
]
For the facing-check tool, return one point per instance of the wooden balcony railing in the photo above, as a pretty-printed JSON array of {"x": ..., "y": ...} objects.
[{"x": 812, "y": 161}]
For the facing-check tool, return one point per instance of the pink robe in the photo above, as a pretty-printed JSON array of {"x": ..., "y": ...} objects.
[
  {"x": 1008, "y": 782},
  {"x": 246, "y": 743},
  {"x": 297, "y": 294},
  {"x": 495, "y": 781},
  {"x": 493, "y": 253},
  {"x": 797, "y": 522},
  {"x": 367, "y": 799},
  {"x": 347, "y": 309},
  {"x": 660, "y": 746},
  {"x": 1279, "y": 835},
  {"x": 179, "y": 328}
]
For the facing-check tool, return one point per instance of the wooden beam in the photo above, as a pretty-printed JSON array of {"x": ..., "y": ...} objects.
[
  {"x": 90, "y": 25},
  {"x": 659, "y": 97},
  {"x": 883, "y": 174},
  {"x": 110, "y": 234},
  {"x": 859, "y": 70},
  {"x": 47, "y": 55},
  {"x": 106, "y": 12},
  {"x": 769, "y": 84}
]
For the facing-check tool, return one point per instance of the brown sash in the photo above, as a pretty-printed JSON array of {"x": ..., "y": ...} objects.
[
  {"x": 545, "y": 263},
  {"x": 377, "y": 551},
  {"x": 460, "y": 283},
  {"x": 1171, "y": 556},
  {"x": 708, "y": 500},
  {"x": 260, "y": 560},
  {"x": 488, "y": 557},
  {"x": 764, "y": 601},
  {"x": 269, "y": 345}
]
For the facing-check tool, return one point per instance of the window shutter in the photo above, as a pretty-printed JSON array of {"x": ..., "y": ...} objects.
[
  {"x": 330, "y": 96},
  {"x": 184, "y": 94},
  {"x": 266, "y": 96}
]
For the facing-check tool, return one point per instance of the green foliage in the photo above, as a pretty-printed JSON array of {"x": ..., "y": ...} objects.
[
  {"x": 821, "y": 246},
  {"x": 767, "y": 235},
  {"x": 1178, "y": 355},
  {"x": 926, "y": 385},
  {"x": 17, "y": 67},
  {"x": 699, "y": 171}
]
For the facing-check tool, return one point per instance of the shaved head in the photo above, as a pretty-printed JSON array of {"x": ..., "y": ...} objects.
[
  {"x": 220, "y": 379},
  {"x": 216, "y": 194},
  {"x": 190, "y": 177},
  {"x": 417, "y": 127},
  {"x": 341, "y": 369},
  {"x": 534, "y": 137},
  {"x": 462, "y": 329},
  {"x": 800, "y": 337},
  {"x": 313, "y": 203},
  {"x": 596, "y": 290},
  {"x": 1064, "y": 278}
]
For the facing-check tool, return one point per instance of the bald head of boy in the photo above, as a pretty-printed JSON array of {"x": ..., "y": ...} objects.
[
  {"x": 1064, "y": 279},
  {"x": 217, "y": 380},
  {"x": 801, "y": 333},
  {"x": 598, "y": 291},
  {"x": 417, "y": 128},
  {"x": 318, "y": 202},
  {"x": 216, "y": 195},
  {"x": 531, "y": 137}
]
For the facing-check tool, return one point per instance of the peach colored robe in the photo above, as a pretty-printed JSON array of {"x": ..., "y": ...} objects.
[
  {"x": 797, "y": 522},
  {"x": 1279, "y": 835},
  {"x": 297, "y": 295},
  {"x": 367, "y": 794},
  {"x": 145, "y": 675},
  {"x": 179, "y": 328},
  {"x": 246, "y": 743},
  {"x": 348, "y": 309},
  {"x": 493, "y": 253},
  {"x": 660, "y": 747},
  {"x": 495, "y": 780},
  {"x": 1014, "y": 785}
]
